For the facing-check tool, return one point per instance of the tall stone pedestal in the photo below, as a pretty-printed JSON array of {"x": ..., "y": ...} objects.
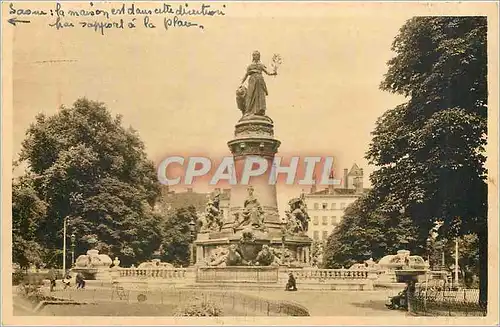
[{"x": 254, "y": 136}]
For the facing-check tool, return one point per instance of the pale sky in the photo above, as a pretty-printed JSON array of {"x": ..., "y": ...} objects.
[{"x": 176, "y": 87}]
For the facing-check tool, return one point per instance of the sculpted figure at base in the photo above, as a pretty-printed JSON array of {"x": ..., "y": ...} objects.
[
  {"x": 282, "y": 257},
  {"x": 218, "y": 257},
  {"x": 252, "y": 100},
  {"x": 213, "y": 216},
  {"x": 252, "y": 214},
  {"x": 265, "y": 257},
  {"x": 233, "y": 257},
  {"x": 297, "y": 216}
]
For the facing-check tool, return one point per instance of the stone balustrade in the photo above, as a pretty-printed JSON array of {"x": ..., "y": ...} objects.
[
  {"x": 328, "y": 274},
  {"x": 162, "y": 273},
  {"x": 237, "y": 274},
  {"x": 327, "y": 279},
  {"x": 331, "y": 279}
]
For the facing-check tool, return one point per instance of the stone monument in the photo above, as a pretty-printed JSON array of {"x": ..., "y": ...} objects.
[{"x": 253, "y": 234}]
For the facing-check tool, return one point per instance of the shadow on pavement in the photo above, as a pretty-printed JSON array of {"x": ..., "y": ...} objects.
[{"x": 372, "y": 304}]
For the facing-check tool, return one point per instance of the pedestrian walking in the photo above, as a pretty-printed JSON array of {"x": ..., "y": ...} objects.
[
  {"x": 80, "y": 281},
  {"x": 67, "y": 280},
  {"x": 52, "y": 278}
]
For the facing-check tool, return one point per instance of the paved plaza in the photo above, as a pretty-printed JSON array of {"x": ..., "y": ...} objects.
[
  {"x": 319, "y": 303},
  {"x": 337, "y": 303}
]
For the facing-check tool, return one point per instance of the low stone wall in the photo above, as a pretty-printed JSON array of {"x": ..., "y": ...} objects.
[
  {"x": 332, "y": 279},
  {"x": 325, "y": 279},
  {"x": 237, "y": 274},
  {"x": 163, "y": 273},
  {"x": 154, "y": 276}
]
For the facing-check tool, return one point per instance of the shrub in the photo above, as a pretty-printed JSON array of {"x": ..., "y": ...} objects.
[
  {"x": 32, "y": 292},
  {"x": 200, "y": 309},
  {"x": 18, "y": 277}
]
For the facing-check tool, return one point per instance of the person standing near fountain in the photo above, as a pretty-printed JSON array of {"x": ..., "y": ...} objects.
[
  {"x": 52, "y": 278},
  {"x": 291, "y": 285},
  {"x": 67, "y": 280},
  {"x": 80, "y": 281}
]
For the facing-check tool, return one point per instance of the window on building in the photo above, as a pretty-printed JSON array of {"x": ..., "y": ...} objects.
[
  {"x": 316, "y": 235},
  {"x": 315, "y": 220},
  {"x": 334, "y": 206},
  {"x": 325, "y": 220},
  {"x": 316, "y": 206},
  {"x": 325, "y": 235},
  {"x": 325, "y": 206},
  {"x": 342, "y": 206},
  {"x": 334, "y": 220}
]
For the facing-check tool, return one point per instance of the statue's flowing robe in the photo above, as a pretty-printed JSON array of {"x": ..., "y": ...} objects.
[
  {"x": 252, "y": 211},
  {"x": 255, "y": 101}
]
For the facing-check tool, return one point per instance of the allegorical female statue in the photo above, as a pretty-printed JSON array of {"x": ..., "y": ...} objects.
[
  {"x": 252, "y": 100},
  {"x": 252, "y": 213}
]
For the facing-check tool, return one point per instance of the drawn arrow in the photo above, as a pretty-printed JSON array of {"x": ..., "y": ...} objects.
[{"x": 14, "y": 20}]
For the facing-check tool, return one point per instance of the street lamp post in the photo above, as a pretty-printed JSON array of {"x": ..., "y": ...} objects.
[
  {"x": 73, "y": 239},
  {"x": 192, "y": 229},
  {"x": 456, "y": 262},
  {"x": 64, "y": 244},
  {"x": 283, "y": 239}
]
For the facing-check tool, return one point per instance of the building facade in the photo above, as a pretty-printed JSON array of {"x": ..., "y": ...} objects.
[{"x": 326, "y": 207}]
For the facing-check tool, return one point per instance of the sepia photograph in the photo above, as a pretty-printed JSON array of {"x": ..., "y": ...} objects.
[{"x": 296, "y": 163}]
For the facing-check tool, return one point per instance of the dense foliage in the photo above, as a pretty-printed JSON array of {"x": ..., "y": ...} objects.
[
  {"x": 370, "y": 228},
  {"x": 178, "y": 235},
  {"x": 430, "y": 150},
  {"x": 83, "y": 165}
]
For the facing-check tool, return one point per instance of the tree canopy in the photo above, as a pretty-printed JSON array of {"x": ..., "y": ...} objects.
[
  {"x": 370, "y": 228},
  {"x": 176, "y": 244},
  {"x": 28, "y": 211},
  {"x": 430, "y": 150},
  {"x": 84, "y": 165}
]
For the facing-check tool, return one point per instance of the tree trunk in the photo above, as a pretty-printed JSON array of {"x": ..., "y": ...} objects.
[{"x": 483, "y": 267}]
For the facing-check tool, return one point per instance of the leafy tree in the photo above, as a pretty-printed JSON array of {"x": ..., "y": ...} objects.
[
  {"x": 28, "y": 210},
  {"x": 317, "y": 249},
  {"x": 430, "y": 150},
  {"x": 89, "y": 168},
  {"x": 177, "y": 239},
  {"x": 369, "y": 228},
  {"x": 468, "y": 254}
]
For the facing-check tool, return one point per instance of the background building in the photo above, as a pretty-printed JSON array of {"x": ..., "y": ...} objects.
[{"x": 326, "y": 207}]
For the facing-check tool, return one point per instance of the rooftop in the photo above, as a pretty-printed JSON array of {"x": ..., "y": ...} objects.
[{"x": 337, "y": 192}]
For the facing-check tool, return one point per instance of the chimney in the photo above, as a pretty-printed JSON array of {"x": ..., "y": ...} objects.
[
  {"x": 313, "y": 187},
  {"x": 345, "y": 178},
  {"x": 330, "y": 187},
  {"x": 360, "y": 188}
]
